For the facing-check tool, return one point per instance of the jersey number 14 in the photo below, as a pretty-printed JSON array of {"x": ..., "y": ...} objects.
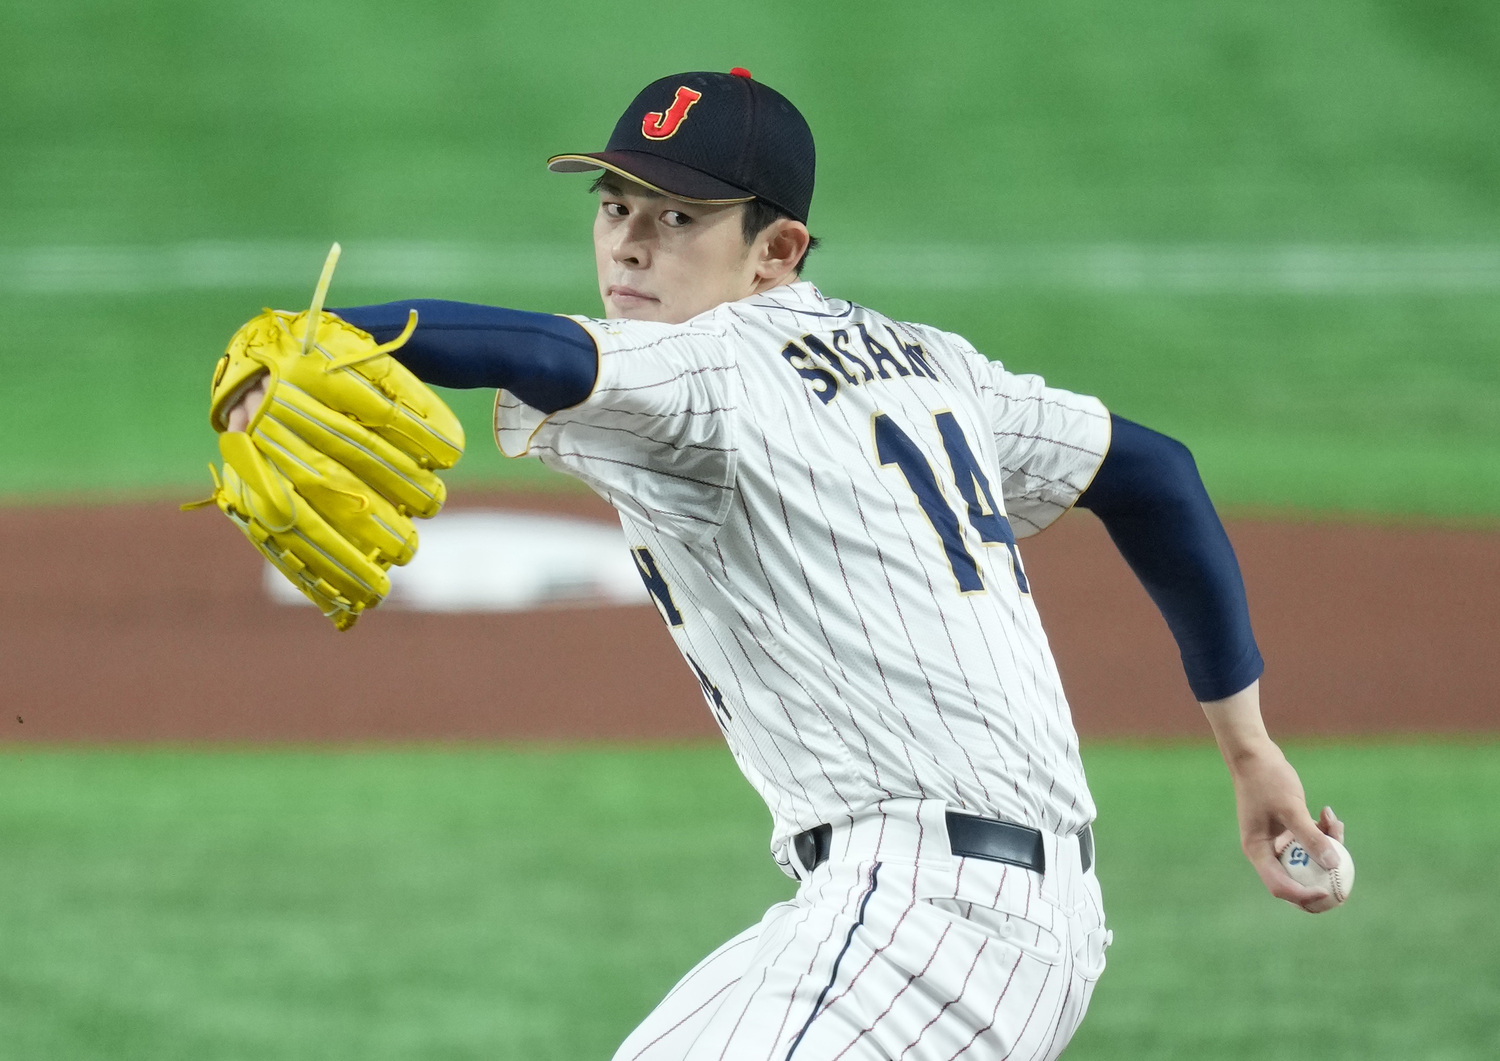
[{"x": 895, "y": 446}]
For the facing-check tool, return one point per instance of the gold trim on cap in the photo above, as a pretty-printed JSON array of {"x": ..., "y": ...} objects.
[{"x": 590, "y": 162}]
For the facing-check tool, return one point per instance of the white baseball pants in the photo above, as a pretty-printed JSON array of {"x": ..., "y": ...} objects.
[{"x": 894, "y": 950}]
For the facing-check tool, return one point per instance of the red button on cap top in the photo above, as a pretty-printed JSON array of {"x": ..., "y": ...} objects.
[{"x": 740, "y": 71}]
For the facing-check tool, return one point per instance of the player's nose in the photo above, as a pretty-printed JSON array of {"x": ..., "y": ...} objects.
[{"x": 632, "y": 241}]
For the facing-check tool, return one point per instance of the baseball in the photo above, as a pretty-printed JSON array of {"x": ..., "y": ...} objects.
[{"x": 1304, "y": 869}]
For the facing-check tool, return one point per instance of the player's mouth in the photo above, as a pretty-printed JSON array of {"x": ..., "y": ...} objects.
[{"x": 628, "y": 297}]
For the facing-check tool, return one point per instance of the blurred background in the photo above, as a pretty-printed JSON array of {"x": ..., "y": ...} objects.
[{"x": 1271, "y": 230}]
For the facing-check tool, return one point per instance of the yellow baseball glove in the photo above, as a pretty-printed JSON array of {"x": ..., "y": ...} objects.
[{"x": 337, "y": 458}]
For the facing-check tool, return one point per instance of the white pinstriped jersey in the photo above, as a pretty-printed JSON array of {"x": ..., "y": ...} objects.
[{"x": 822, "y": 501}]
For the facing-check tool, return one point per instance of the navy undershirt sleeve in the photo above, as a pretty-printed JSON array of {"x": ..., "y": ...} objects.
[
  {"x": 1152, "y": 501},
  {"x": 549, "y": 362}
]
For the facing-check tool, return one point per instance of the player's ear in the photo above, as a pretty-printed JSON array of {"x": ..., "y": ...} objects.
[{"x": 783, "y": 243}]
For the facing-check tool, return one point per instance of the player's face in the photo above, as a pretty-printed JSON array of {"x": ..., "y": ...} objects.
[{"x": 663, "y": 259}]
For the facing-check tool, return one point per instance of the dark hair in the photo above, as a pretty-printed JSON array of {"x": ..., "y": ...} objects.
[{"x": 758, "y": 216}]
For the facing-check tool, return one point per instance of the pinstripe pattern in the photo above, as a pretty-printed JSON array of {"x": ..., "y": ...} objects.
[
  {"x": 816, "y": 591},
  {"x": 822, "y": 605},
  {"x": 920, "y": 957},
  {"x": 833, "y": 976}
]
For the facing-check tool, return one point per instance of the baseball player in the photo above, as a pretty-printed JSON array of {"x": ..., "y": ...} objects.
[{"x": 825, "y": 505}]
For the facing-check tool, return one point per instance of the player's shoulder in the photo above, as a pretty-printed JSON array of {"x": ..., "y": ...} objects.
[
  {"x": 940, "y": 339},
  {"x": 623, "y": 332},
  {"x": 629, "y": 347}
]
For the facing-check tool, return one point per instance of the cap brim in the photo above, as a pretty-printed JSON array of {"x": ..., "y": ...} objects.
[{"x": 661, "y": 175}]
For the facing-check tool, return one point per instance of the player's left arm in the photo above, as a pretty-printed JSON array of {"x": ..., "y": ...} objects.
[
  {"x": 641, "y": 411},
  {"x": 547, "y": 361},
  {"x": 1153, "y": 503}
]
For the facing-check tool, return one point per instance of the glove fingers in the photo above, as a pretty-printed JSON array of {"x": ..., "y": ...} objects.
[
  {"x": 276, "y": 507},
  {"x": 417, "y": 421},
  {"x": 333, "y": 606},
  {"x": 381, "y": 393},
  {"x": 367, "y": 519},
  {"x": 309, "y": 552},
  {"x": 374, "y": 460},
  {"x": 340, "y": 609}
]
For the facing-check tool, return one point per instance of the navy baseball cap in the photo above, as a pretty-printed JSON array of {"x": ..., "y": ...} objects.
[{"x": 707, "y": 137}]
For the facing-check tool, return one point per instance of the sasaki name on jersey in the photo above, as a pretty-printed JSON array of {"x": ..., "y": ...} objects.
[{"x": 855, "y": 370}]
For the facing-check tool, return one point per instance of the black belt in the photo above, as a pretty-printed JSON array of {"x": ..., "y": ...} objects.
[{"x": 968, "y": 837}]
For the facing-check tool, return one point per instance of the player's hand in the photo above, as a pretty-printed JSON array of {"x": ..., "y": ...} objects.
[
  {"x": 1272, "y": 811},
  {"x": 1269, "y": 800},
  {"x": 240, "y": 413}
]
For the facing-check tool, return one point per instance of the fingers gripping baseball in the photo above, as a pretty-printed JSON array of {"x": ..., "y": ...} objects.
[
  {"x": 1272, "y": 810},
  {"x": 330, "y": 449}
]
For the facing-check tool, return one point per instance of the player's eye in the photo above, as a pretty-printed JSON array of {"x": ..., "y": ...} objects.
[
  {"x": 613, "y": 209},
  {"x": 675, "y": 219}
]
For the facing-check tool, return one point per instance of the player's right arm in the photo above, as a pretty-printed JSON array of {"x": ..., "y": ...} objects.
[
  {"x": 1146, "y": 490},
  {"x": 1152, "y": 501},
  {"x": 1269, "y": 800}
]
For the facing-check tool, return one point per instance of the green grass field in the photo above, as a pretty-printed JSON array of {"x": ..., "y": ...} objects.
[
  {"x": 469, "y": 903},
  {"x": 1353, "y": 123}
]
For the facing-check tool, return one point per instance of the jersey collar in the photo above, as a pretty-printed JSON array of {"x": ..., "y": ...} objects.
[{"x": 801, "y": 295}]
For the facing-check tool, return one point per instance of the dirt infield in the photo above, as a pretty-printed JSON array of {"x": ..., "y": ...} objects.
[{"x": 140, "y": 623}]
